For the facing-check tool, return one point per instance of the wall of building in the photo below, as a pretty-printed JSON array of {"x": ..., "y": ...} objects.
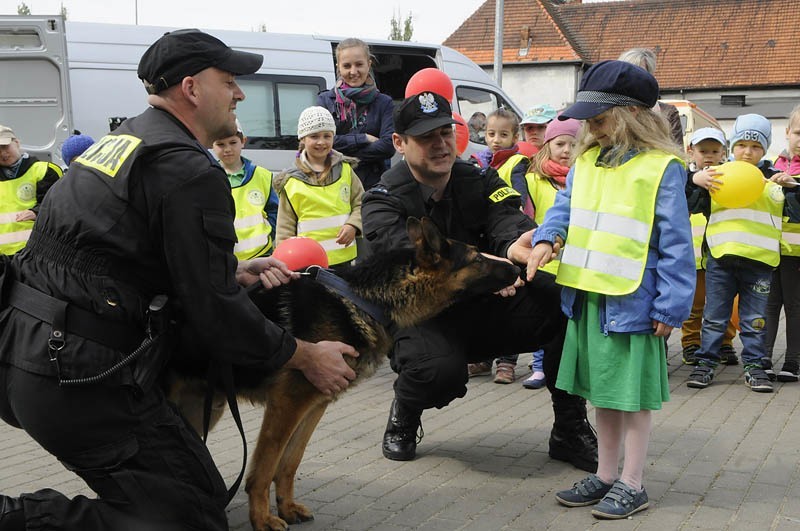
[{"x": 529, "y": 85}]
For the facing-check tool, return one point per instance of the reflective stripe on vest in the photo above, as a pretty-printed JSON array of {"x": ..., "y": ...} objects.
[
  {"x": 790, "y": 238},
  {"x": 698, "y": 222},
  {"x": 543, "y": 195},
  {"x": 17, "y": 196},
  {"x": 321, "y": 212},
  {"x": 253, "y": 231},
  {"x": 505, "y": 169},
  {"x": 753, "y": 232},
  {"x": 611, "y": 220}
]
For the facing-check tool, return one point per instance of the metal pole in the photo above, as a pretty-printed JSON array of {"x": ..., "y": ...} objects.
[
  {"x": 498, "y": 42},
  {"x": 136, "y": 11}
]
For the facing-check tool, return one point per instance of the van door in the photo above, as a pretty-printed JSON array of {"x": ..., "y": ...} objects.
[{"x": 34, "y": 84}]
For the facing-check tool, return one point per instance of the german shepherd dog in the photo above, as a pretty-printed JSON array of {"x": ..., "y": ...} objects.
[{"x": 409, "y": 285}]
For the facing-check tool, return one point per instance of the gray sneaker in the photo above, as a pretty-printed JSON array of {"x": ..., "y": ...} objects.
[
  {"x": 621, "y": 502},
  {"x": 757, "y": 380},
  {"x": 587, "y": 491},
  {"x": 701, "y": 377}
]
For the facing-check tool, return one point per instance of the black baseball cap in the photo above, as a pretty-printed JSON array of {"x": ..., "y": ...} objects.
[
  {"x": 186, "y": 52},
  {"x": 612, "y": 84},
  {"x": 421, "y": 113}
]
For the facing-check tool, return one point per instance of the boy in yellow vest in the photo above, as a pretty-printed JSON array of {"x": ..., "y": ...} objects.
[
  {"x": 707, "y": 147},
  {"x": 23, "y": 182},
  {"x": 255, "y": 199},
  {"x": 321, "y": 196},
  {"x": 743, "y": 249}
]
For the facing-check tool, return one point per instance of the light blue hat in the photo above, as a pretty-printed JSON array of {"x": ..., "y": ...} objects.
[
  {"x": 708, "y": 133},
  {"x": 752, "y": 127},
  {"x": 540, "y": 114}
]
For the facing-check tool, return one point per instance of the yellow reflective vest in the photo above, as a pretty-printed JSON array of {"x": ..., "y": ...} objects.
[
  {"x": 543, "y": 195},
  {"x": 16, "y": 196},
  {"x": 752, "y": 232},
  {"x": 698, "y": 222},
  {"x": 252, "y": 226},
  {"x": 505, "y": 169},
  {"x": 611, "y": 221},
  {"x": 321, "y": 212}
]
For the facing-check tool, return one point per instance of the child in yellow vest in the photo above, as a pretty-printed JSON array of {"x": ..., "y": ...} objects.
[
  {"x": 785, "y": 290},
  {"x": 24, "y": 180},
  {"x": 255, "y": 199},
  {"x": 626, "y": 272},
  {"x": 502, "y": 154},
  {"x": 547, "y": 175},
  {"x": 743, "y": 249},
  {"x": 707, "y": 147},
  {"x": 321, "y": 196}
]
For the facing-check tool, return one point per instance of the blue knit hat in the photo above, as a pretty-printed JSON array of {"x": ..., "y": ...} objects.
[
  {"x": 752, "y": 127},
  {"x": 74, "y": 146}
]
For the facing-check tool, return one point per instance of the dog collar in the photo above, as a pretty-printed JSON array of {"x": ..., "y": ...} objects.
[{"x": 334, "y": 282}]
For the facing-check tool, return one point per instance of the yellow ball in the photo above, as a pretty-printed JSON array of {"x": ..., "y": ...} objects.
[{"x": 742, "y": 184}]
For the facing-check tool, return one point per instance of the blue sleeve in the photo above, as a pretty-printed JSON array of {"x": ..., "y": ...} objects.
[
  {"x": 380, "y": 124},
  {"x": 672, "y": 235},
  {"x": 556, "y": 220},
  {"x": 518, "y": 182},
  {"x": 271, "y": 209}
]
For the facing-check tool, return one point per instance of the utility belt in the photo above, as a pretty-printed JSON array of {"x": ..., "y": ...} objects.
[{"x": 67, "y": 320}]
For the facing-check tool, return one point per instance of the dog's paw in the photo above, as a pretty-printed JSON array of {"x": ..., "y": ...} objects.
[
  {"x": 271, "y": 523},
  {"x": 295, "y": 513}
]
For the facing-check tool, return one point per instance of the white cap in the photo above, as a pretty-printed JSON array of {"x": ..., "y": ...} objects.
[
  {"x": 708, "y": 133},
  {"x": 314, "y": 120}
]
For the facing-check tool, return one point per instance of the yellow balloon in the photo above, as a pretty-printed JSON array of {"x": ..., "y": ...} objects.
[{"x": 742, "y": 184}]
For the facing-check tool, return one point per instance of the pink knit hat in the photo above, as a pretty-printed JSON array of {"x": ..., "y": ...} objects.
[{"x": 556, "y": 128}]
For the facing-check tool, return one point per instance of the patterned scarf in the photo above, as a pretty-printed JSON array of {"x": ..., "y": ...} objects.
[{"x": 352, "y": 102}]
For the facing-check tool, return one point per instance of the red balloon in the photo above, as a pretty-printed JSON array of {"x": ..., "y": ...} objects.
[
  {"x": 301, "y": 252},
  {"x": 462, "y": 133},
  {"x": 430, "y": 80}
]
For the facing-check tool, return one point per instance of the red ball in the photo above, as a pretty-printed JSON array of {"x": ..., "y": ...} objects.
[
  {"x": 430, "y": 80},
  {"x": 462, "y": 133},
  {"x": 301, "y": 252}
]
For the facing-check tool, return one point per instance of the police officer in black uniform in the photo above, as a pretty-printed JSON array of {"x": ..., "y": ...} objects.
[
  {"x": 146, "y": 212},
  {"x": 474, "y": 206}
]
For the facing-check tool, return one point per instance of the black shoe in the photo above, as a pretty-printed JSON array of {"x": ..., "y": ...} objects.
[
  {"x": 400, "y": 438},
  {"x": 688, "y": 356},
  {"x": 701, "y": 377},
  {"x": 790, "y": 372},
  {"x": 12, "y": 517},
  {"x": 573, "y": 440},
  {"x": 727, "y": 355}
]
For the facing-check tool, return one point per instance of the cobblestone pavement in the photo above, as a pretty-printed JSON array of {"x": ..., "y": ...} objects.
[{"x": 720, "y": 458}]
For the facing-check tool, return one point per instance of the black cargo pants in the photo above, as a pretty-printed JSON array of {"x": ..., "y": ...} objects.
[
  {"x": 431, "y": 359},
  {"x": 151, "y": 471}
]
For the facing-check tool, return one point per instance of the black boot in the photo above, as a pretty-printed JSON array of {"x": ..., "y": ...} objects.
[
  {"x": 400, "y": 439},
  {"x": 12, "y": 517},
  {"x": 573, "y": 439}
]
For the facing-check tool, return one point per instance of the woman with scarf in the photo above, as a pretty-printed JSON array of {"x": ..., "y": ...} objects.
[{"x": 363, "y": 115}]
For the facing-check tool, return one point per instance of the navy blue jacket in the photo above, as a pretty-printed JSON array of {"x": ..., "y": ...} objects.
[{"x": 373, "y": 157}]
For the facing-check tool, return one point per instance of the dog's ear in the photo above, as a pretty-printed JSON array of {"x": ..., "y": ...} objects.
[
  {"x": 414, "y": 229},
  {"x": 433, "y": 237}
]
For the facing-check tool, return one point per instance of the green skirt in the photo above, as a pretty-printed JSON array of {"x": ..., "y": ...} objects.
[{"x": 627, "y": 372}]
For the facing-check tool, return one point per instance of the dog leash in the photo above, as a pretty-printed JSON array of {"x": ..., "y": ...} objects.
[{"x": 337, "y": 284}]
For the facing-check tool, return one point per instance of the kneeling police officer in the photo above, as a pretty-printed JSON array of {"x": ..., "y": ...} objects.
[{"x": 145, "y": 212}]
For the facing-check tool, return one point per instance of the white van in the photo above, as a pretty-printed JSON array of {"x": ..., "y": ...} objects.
[{"x": 55, "y": 79}]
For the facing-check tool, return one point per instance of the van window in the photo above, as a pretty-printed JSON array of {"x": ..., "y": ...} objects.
[
  {"x": 473, "y": 100},
  {"x": 269, "y": 113}
]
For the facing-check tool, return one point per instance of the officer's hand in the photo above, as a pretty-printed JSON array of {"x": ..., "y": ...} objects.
[
  {"x": 511, "y": 290},
  {"x": 519, "y": 251},
  {"x": 270, "y": 271},
  {"x": 346, "y": 235},
  {"x": 323, "y": 364},
  {"x": 25, "y": 215},
  {"x": 661, "y": 329},
  {"x": 541, "y": 255}
]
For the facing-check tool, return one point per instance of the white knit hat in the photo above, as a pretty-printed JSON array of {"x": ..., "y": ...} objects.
[{"x": 313, "y": 120}]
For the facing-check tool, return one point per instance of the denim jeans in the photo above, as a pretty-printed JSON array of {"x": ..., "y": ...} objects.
[{"x": 724, "y": 281}]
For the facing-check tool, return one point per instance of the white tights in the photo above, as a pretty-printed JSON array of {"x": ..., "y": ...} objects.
[{"x": 615, "y": 428}]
